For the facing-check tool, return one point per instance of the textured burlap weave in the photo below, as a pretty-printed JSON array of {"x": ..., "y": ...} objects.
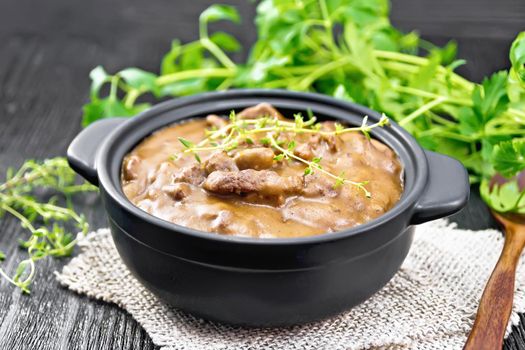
[{"x": 429, "y": 304}]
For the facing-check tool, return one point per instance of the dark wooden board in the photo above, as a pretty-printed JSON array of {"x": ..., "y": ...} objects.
[{"x": 47, "y": 49}]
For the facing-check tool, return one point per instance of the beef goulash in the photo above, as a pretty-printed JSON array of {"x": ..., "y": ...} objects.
[{"x": 258, "y": 174}]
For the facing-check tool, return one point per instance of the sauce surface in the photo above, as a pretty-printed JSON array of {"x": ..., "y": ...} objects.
[{"x": 248, "y": 191}]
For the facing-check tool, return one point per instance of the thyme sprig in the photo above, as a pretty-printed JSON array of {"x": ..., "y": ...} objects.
[
  {"x": 314, "y": 164},
  {"x": 230, "y": 136},
  {"x": 46, "y": 221}
]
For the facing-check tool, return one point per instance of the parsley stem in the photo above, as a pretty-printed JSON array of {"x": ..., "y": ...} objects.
[
  {"x": 327, "y": 21},
  {"x": 294, "y": 70},
  {"x": 322, "y": 70},
  {"x": 517, "y": 112},
  {"x": 404, "y": 67},
  {"x": 421, "y": 110},
  {"x": 441, "y": 120},
  {"x": 421, "y": 61},
  {"x": 114, "y": 87},
  {"x": 131, "y": 97},
  {"x": 225, "y": 85},
  {"x": 195, "y": 73},
  {"x": 423, "y": 93},
  {"x": 446, "y": 134},
  {"x": 218, "y": 53},
  {"x": 212, "y": 47},
  {"x": 505, "y": 132},
  {"x": 281, "y": 83},
  {"x": 518, "y": 200}
]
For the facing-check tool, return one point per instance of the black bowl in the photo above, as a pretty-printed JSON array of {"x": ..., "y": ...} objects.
[{"x": 264, "y": 282}]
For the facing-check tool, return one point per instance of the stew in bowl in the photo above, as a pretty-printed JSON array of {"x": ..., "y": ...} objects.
[
  {"x": 258, "y": 174},
  {"x": 238, "y": 228}
]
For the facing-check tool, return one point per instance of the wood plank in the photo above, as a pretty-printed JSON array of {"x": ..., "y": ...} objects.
[{"x": 47, "y": 49}]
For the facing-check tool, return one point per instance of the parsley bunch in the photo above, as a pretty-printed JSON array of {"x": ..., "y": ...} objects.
[
  {"x": 347, "y": 49},
  {"x": 343, "y": 48}
]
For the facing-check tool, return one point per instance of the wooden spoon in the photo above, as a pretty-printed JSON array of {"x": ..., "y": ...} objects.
[{"x": 496, "y": 303}]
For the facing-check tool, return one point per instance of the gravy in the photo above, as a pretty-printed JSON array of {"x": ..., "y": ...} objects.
[{"x": 248, "y": 191}]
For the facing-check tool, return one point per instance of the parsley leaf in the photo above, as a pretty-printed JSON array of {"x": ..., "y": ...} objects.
[
  {"x": 489, "y": 100},
  {"x": 216, "y": 13},
  {"x": 505, "y": 197},
  {"x": 509, "y": 157},
  {"x": 517, "y": 58}
]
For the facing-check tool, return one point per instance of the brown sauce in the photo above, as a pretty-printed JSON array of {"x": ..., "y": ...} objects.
[{"x": 246, "y": 192}]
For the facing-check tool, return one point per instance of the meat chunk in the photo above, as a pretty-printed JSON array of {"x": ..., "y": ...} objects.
[
  {"x": 315, "y": 145},
  {"x": 219, "y": 161},
  {"x": 131, "y": 168},
  {"x": 330, "y": 140},
  {"x": 192, "y": 174},
  {"x": 216, "y": 121},
  {"x": 254, "y": 158},
  {"x": 162, "y": 175},
  {"x": 304, "y": 150},
  {"x": 177, "y": 191},
  {"x": 264, "y": 182},
  {"x": 315, "y": 215},
  {"x": 318, "y": 185},
  {"x": 259, "y": 111}
]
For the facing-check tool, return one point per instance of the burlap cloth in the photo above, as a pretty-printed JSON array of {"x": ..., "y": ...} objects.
[{"x": 429, "y": 304}]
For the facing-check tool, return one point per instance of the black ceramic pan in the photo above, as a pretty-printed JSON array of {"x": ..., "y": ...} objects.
[{"x": 264, "y": 282}]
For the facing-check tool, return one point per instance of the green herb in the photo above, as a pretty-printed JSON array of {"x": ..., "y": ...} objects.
[
  {"x": 45, "y": 221},
  {"x": 504, "y": 198},
  {"x": 264, "y": 141},
  {"x": 314, "y": 164},
  {"x": 278, "y": 157},
  {"x": 349, "y": 50},
  {"x": 186, "y": 143},
  {"x": 506, "y": 195},
  {"x": 509, "y": 157},
  {"x": 227, "y": 138}
]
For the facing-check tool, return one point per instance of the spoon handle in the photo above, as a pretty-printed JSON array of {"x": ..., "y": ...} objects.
[{"x": 496, "y": 303}]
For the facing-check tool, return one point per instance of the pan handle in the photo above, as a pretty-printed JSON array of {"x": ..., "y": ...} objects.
[
  {"x": 82, "y": 152},
  {"x": 447, "y": 189}
]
